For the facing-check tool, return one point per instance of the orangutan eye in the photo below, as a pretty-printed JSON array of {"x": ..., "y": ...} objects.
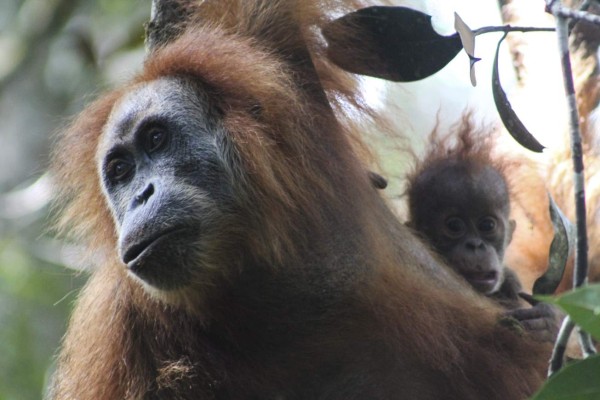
[
  {"x": 117, "y": 170},
  {"x": 156, "y": 138},
  {"x": 487, "y": 225},
  {"x": 455, "y": 227}
]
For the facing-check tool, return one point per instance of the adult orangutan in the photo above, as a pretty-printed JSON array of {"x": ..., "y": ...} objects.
[{"x": 241, "y": 250}]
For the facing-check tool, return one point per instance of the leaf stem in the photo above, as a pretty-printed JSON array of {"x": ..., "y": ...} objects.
[{"x": 509, "y": 28}]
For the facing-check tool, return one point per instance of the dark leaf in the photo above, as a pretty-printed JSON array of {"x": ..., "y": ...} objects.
[
  {"x": 393, "y": 43},
  {"x": 512, "y": 123},
  {"x": 577, "y": 381},
  {"x": 561, "y": 247}
]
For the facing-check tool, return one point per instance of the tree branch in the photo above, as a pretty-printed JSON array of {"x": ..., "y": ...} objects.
[
  {"x": 585, "y": 5},
  {"x": 556, "y": 8},
  {"x": 508, "y": 28},
  {"x": 581, "y": 242},
  {"x": 168, "y": 19}
]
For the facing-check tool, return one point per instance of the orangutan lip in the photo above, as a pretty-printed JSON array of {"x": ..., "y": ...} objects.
[
  {"x": 136, "y": 251},
  {"x": 486, "y": 278}
]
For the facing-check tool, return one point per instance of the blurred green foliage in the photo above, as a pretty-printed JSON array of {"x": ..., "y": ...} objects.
[
  {"x": 55, "y": 55},
  {"x": 579, "y": 379},
  {"x": 583, "y": 306},
  {"x": 35, "y": 299}
]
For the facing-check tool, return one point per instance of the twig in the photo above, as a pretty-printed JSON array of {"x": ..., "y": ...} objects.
[
  {"x": 167, "y": 20},
  {"x": 559, "y": 11},
  {"x": 585, "y": 5},
  {"x": 581, "y": 243},
  {"x": 508, "y": 28}
]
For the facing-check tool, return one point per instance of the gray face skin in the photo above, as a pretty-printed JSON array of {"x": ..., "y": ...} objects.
[
  {"x": 464, "y": 212},
  {"x": 165, "y": 181}
]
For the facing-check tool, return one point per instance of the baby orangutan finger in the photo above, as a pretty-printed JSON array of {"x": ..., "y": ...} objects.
[
  {"x": 540, "y": 321},
  {"x": 540, "y": 310},
  {"x": 535, "y": 324},
  {"x": 529, "y": 298}
]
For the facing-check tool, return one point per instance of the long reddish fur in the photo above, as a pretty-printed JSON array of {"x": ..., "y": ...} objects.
[
  {"x": 530, "y": 249},
  {"x": 122, "y": 343}
]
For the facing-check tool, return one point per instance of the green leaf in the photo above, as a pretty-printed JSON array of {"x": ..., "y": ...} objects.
[
  {"x": 394, "y": 43},
  {"x": 577, "y": 381},
  {"x": 509, "y": 118},
  {"x": 582, "y": 305},
  {"x": 560, "y": 248}
]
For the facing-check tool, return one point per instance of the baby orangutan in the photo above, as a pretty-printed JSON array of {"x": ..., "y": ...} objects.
[{"x": 459, "y": 203}]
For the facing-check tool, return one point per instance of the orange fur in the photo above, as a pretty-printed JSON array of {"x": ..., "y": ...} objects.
[
  {"x": 529, "y": 251},
  {"x": 349, "y": 304}
]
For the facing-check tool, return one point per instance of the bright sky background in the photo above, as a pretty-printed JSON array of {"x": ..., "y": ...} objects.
[{"x": 449, "y": 92}]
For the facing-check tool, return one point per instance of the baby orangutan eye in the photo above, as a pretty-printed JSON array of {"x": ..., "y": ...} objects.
[
  {"x": 487, "y": 225},
  {"x": 455, "y": 227}
]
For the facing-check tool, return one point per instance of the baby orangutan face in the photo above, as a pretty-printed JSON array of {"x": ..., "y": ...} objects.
[{"x": 463, "y": 210}]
